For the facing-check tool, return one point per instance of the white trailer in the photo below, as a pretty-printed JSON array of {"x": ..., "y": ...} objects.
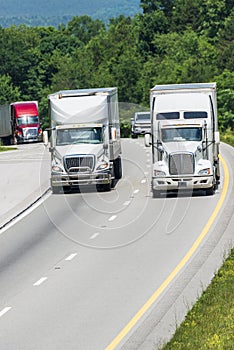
[
  {"x": 185, "y": 138},
  {"x": 85, "y": 138}
]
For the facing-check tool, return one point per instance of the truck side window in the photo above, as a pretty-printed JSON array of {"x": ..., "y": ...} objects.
[
  {"x": 167, "y": 115},
  {"x": 195, "y": 115}
]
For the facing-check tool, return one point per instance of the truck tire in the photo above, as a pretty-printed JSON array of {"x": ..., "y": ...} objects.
[
  {"x": 134, "y": 136},
  {"x": 118, "y": 168},
  {"x": 104, "y": 188},
  {"x": 217, "y": 172},
  {"x": 56, "y": 189},
  {"x": 210, "y": 191},
  {"x": 156, "y": 193}
]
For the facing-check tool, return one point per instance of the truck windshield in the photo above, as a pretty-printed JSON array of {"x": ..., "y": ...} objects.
[
  {"x": 28, "y": 120},
  {"x": 181, "y": 134},
  {"x": 79, "y": 135},
  {"x": 145, "y": 116}
]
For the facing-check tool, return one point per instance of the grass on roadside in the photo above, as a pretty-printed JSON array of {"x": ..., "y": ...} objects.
[
  {"x": 5, "y": 148},
  {"x": 209, "y": 325},
  {"x": 228, "y": 137}
]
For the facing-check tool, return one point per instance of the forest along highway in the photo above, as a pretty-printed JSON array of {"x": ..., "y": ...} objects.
[{"x": 111, "y": 270}]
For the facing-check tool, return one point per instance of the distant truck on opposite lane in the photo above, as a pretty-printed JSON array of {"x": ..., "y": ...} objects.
[{"x": 20, "y": 123}]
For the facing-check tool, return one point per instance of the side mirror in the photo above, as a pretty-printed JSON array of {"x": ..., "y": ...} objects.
[
  {"x": 148, "y": 140},
  {"x": 199, "y": 148},
  {"x": 217, "y": 138},
  {"x": 160, "y": 148},
  {"x": 45, "y": 138}
]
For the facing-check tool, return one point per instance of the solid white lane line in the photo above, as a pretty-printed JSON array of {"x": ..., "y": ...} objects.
[
  {"x": 5, "y": 310},
  {"x": 40, "y": 281},
  {"x": 112, "y": 218},
  {"x": 95, "y": 235},
  {"x": 71, "y": 256},
  {"x": 127, "y": 203}
]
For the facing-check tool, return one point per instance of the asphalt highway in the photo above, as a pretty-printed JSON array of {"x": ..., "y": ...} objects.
[{"x": 111, "y": 270}]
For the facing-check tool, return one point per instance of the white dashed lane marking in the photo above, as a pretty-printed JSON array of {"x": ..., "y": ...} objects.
[
  {"x": 5, "y": 310},
  {"x": 71, "y": 256},
  {"x": 40, "y": 281},
  {"x": 112, "y": 218},
  {"x": 95, "y": 235}
]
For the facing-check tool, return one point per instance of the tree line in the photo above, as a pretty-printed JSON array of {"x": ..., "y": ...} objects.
[{"x": 168, "y": 42}]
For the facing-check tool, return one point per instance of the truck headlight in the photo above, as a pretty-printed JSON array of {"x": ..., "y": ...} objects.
[
  {"x": 57, "y": 169},
  {"x": 159, "y": 173},
  {"x": 204, "y": 171},
  {"x": 104, "y": 165}
]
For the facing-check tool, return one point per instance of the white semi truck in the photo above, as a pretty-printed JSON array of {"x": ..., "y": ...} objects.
[
  {"x": 85, "y": 138},
  {"x": 184, "y": 138}
]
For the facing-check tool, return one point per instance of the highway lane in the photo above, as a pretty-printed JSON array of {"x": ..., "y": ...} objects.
[{"x": 78, "y": 268}]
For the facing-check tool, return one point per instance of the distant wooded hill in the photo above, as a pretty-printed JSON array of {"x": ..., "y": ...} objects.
[{"x": 56, "y": 12}]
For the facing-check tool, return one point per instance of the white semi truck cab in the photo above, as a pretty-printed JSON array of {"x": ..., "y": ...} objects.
[
  {"x": 184, "y": 138},
  {"x": 85, "y": 138}
]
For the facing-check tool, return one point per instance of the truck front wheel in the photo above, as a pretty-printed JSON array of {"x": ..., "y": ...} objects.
[
  {"x": 210, "y": 191},
  {"x": 118, "y": 168},
  {"x": 56, "y": 189},
  {"x": 156, "y": 193}
]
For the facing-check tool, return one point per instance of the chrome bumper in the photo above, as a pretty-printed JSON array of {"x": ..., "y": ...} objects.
[
  {"x": 182, "y": 183},
  {"x": 80, "y": 179}
]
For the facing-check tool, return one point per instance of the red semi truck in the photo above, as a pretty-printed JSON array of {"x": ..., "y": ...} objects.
[
  {"x": 25, "y": 121},
  {"x": 20, "y": 123}
]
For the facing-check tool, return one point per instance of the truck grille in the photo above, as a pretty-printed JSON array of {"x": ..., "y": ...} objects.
[
  {"x": 74, "y": 164},
  {"x": 29, "y": 133},
  {"x": 181, "y": 164}
]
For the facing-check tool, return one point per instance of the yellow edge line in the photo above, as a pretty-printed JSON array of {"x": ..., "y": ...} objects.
[{"x": 181, "y": 264}]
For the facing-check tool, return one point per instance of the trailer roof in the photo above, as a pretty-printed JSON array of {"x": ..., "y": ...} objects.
[
  {"x": 189, "y": 86},
  {"x": 82, "y": 92}
]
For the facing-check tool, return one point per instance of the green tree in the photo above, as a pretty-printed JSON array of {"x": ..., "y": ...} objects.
[
  {"x": 8, "y": 93},
  {"x": 213, "y": 14},
  {"x": 150, "y": 6},
  {"x": 150, "y": 24},
  {"x": 225, "y": 44},
  {"x": 85, "y": 28},
  {"x": 179, "y": 58},
  {"x": 225, "y": 97},
  {"x": 18, "y": 54},
  {"x": 186, "y": 14}
]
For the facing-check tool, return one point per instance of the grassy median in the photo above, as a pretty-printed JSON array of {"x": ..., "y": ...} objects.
[
  {"x": 5, "y": 148},
  {"x": 210, "y": 323}
]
